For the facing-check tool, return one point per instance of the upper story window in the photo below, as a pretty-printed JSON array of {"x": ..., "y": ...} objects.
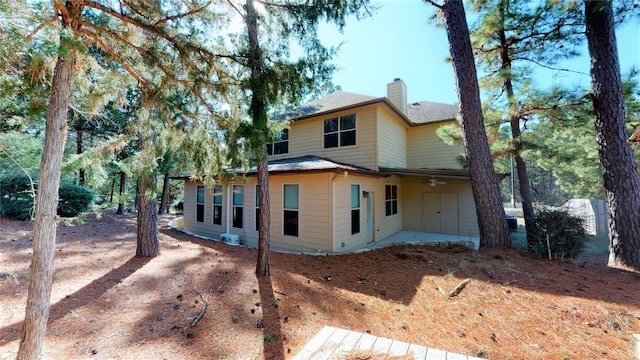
[
  {"x": 280, "y": 144},
  {"x": 340, "y": 131}
]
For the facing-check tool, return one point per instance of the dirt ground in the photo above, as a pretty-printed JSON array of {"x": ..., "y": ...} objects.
[{"x": 108, "y": 304}]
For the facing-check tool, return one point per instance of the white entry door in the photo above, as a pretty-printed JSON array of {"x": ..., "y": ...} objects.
[
  {"x": 370, "y": 217},
  {"x": 440, "y": 213}
]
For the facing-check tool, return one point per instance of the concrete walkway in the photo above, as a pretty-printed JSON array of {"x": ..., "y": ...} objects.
[
  {"x": 335, "y": 344},
  {"x": 424, "y": 238}
]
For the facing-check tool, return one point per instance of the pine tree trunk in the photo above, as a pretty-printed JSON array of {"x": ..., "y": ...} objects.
[
  {"x": 148, "y": 244},
  {"x": 136, "y": 199},
  {"x": 44, "y": 230},
  {"x": 523, "y": 178},
  {"x": 79, "y": 151},
  {"x": 164, "y": 199},
  {"x": 259, "y": 112},
  {"x": 525, "y": 189},
  {"x": 113, "y": 185},
  {"x": 484, "y": 183},
  {"x": 620, "y": 174},
  {"x": 264, "y": 230},
  {"x": 123, "y": 184}
]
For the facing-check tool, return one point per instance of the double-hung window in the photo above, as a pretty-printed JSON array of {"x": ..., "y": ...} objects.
[
  {"x": 291, "y": 210},
  {"x": 200, "y": 203},
  {"x": 238, "y": 205},
  {"x": 217, "y": 205},
  {"x": 355, "y": 209},
  {"x": 340, "y": 131},
  {"x": 391, "y": 199},
  {"x": 280, "y": 144}
]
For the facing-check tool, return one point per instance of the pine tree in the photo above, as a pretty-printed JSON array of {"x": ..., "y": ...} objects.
[
  {"x": 620, "y": 173},
  {"x": 129, "y": 35},
  {"x": 275, "y": 79},
  {"x": 512, "y": 32},
  {"x": 484, "y": 183}
]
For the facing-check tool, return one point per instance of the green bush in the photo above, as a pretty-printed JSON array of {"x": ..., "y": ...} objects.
[
  {"x": 16, "y": 196},
  {"x": 558, "y": 235},
  {"x": 73, "y": 200},
  {"x": 178, "y": 207}
]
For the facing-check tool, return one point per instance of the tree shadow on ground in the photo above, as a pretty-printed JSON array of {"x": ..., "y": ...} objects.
[
  {"x": 395, "y": 273},
  {"x": 82, "y": 297},
  {"x": 273, "y": 341}
]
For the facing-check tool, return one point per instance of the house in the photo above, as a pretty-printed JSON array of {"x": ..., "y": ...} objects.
[{"x": 351, "y": 170}]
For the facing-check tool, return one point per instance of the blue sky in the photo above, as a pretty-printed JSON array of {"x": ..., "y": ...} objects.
[{"x": 399, "y": 41}]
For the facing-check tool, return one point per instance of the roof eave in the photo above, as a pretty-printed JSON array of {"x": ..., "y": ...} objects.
[
  {"x": 357, "y": 105},
  {"x": 342, "y": 108},
  {"x": 442, "y": 173}
]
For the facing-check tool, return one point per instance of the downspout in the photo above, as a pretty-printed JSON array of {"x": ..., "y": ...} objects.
[{"x": 333, "y": 205}]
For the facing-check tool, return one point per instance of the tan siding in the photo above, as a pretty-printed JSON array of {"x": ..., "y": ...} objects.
[
  {"x": 313, "y": 219},
  {"x": 383, "y": 225},
  {"x": 426, "y": 150},
  {"x": 205, "y": 228},
  {"x": 324, "y": 229},
  {"x": 413, "y": 188},
  {"x": 468, "y": 217},
  {"x": 392, "y": 140},
  {"x": 306, "y": 137},
  {"x": 250, "y": 233}
]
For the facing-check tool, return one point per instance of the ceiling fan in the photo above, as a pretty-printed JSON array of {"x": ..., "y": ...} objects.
[{"x": 434, "y": 182}]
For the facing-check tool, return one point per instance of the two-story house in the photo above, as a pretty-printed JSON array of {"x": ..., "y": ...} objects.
[{"x": 351, "y": 169}]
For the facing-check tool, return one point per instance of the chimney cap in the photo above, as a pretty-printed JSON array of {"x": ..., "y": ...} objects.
[{"x": 397, "y": 79}]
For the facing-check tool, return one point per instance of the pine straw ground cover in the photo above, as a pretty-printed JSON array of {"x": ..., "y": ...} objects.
[{"x": 107, "y": 304}]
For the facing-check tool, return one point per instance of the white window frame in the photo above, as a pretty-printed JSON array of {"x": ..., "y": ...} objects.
[{"x": 285, "y": 209}]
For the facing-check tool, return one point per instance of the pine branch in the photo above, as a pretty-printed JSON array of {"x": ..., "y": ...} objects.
[
  {"x": 115, "y": 56},
  {"x": 550, "y": 67},
  {"x": 114, "y": 35},
  {"x": 459, "y": 288},
  {"x": 183, "y": 15},
  {"x": 41, "y": 26},
  {"x": 61, "y": 8},
  {"x": 439, "y": 6}
]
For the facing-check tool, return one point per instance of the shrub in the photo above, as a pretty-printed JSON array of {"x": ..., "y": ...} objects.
[
  {"x": 16, "y": 196},
  {"x": 558, "y": 235},
  {"x": 17, "y": 199},
  {"x": 178, "y": 207},
  {"x": 73, "y": 200}
]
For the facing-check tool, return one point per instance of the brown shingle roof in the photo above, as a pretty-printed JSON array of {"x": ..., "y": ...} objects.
[
  {"x": 418, "y": 113},
  {"x": 333, "y": 102},
  {"x": 312, "y": 164},
  {"x": 427, "y": 112},
  {"x": 302, "y": 164}
]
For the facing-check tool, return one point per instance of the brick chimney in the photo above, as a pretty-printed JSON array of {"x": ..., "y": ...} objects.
[{"x": 397, "y": 94}]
